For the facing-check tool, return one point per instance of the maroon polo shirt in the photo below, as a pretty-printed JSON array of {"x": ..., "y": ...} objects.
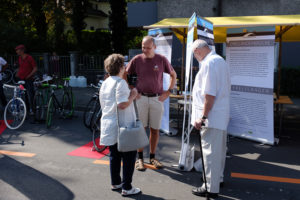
[
  {"x": 149, "y": 72},
  {"x": 26, "y": 66}
]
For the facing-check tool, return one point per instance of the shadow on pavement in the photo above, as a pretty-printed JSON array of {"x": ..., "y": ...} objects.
[
  {"x": 30, "y": 182},
  {"x": 144, "y": 197}
]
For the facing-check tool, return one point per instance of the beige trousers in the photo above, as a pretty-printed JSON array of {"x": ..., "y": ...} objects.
[
  {"x": 150, "y": 111},
  {"x": 214, "y": 154}
]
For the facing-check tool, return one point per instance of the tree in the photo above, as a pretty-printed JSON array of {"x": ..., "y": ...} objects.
[
  {"x": 38, "y": 17},
  {"x": 56, "y": 15},
  {"x": 79, "y": 13},
  {"x": 118, "y": 25}
]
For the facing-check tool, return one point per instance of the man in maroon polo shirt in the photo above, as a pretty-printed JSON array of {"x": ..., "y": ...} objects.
[
  {"x": 149, "y": 68},
  {"x": 26, "y": 71}
]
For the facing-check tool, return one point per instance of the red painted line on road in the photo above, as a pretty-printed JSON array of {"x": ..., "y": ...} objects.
[
  {"x": 265, "y": 178},
  {"x": 3, "y": 125},
  {"x": 86, "y": 151}
]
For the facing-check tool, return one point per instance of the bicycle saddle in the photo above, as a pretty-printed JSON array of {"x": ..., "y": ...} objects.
[{"x": 21, "y": 82}]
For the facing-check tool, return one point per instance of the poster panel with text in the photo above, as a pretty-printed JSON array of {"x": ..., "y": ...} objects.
[{"x": 250, "y": 55}]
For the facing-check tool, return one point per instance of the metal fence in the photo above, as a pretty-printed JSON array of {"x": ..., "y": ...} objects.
[
  {"x": 84, "y": 65},
  {"x": 90, "y": 62}
]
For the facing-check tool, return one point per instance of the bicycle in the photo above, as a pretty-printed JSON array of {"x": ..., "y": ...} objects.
[
  {"x": 96, "y": 129},
  {"x": 15, "y": 110},
  {"x": 91, "y": 118},
  {"x": 65, "y": 107},
  {"x": 41, "y": 97},
  {"x": 92, "y": 107}
]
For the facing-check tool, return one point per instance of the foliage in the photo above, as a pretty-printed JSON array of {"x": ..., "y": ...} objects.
[
  {"x": 58, "y": 25},
  {"x": 96, "y": 42},
  {"x": 134, "y": 38}
]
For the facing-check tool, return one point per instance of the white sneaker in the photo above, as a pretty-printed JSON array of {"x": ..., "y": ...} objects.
[
  {"x": 133, "y": 191},
  {"x": 116, "y": 187}
]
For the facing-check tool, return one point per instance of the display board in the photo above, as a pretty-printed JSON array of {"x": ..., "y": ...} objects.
[
  {"x": 204, "y": 30},
  {"x": 250, "y": 55}
]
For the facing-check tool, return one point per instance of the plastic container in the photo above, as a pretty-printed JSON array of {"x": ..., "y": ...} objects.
[
  {"x": 73, "y": 81},
  {"x": 81, "y": 81}
]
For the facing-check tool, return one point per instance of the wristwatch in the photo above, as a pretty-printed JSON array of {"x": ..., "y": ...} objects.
[
  {"x": 204, "y": 117},
  {"x": 170, "y": 90}
]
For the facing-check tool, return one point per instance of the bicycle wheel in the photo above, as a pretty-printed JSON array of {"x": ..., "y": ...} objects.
[
  {"x": 67, "y": 105},
  {"x": 96, "y": 117},
  {"x": 50, "y": 112},
  {"x": 97, "y": 133},
  {"x": 38, "y": 106},
  {"x": 89, "y": 111},
  {"x": 7, "y": 76},
  {"x": 15, "y": 113}
]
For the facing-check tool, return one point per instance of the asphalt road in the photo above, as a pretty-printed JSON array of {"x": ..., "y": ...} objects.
[{"x": 47, "y": 172}]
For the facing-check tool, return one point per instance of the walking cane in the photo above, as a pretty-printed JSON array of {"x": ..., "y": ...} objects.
[{"x": 202, "y": 159}]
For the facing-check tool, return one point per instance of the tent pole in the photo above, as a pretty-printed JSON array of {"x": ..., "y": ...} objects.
[
  {"x": 279, "y": 65},
  {"x": 183, "y": 60}
]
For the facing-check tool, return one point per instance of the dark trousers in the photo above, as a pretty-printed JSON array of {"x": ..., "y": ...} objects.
[
  {"x": 2, "y": 96},
  {"x": 30, "y": 93},
  {"x": 115, "y": 166}
]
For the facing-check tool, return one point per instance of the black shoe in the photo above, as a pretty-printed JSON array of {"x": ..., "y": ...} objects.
[
  {"x": 203, "y": 193},
  {"x": 221, "y": 183}
]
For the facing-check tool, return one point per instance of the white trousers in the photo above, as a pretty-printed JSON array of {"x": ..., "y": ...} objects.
[{"x": 214, "y": 155}]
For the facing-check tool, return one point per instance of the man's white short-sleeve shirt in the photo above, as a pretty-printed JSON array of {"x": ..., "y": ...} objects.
[
  {"x": 110, "y": 96},
  {"x": 212, "y": 79}
]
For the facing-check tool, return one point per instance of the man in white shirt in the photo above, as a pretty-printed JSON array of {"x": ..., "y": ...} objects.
[
  {"x": 210, "y": 114},
  {"x": 3, "y": 65}
]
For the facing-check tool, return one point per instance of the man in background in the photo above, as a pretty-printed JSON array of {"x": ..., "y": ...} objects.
[
  {"x": 149, "y": 68},
  {"x": 26, "y": 72}
]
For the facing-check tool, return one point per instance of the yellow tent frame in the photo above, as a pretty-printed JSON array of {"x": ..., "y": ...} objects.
[{"x": 287, "y": 29}]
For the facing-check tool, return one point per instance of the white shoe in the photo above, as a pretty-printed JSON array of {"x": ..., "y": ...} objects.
[
  {"x": 133, "y": 191},
  {"x": 116, "y": 187}
]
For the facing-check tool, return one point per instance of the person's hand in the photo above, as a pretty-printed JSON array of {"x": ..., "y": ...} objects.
[
  {"x": 164, "y": 96},
  {"x": 138, "y": 96},
  {"x": 133, "y": 93},
  {"x": 198, "y": 124}
]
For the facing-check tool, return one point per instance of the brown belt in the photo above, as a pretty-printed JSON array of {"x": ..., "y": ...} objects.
[{"x": 150, "y": 94}]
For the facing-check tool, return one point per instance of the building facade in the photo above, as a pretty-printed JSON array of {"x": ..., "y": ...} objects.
[
  {"x": 97, "y": 15},
  {"x": 211, "y": 8},
  {"x": 141, "y": 14}
]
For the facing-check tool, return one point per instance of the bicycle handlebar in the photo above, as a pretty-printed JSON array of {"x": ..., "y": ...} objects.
[
  {"x": 66, "y": 79},
  {"x": 56, "y": 86},
  {"x": 12, "y": 86},
  {"x": 49, "y": 78},
  {"x": 95, "y": 86}
]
